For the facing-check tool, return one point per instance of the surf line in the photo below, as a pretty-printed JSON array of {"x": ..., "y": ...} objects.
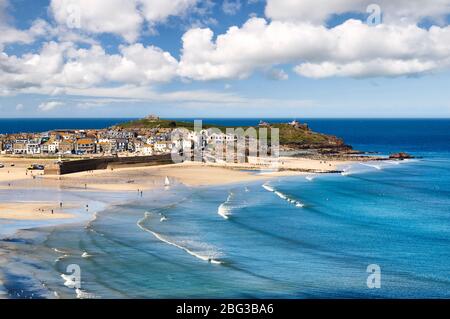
[
  {"x": 269, "y": 188},
  {"x": 377, "y": 167},
  {"x": 223, "y": 210},
  {"x": 164, "y": 240}
]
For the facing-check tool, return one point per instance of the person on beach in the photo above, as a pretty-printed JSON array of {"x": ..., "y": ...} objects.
[{"x": 60, "y": 205}]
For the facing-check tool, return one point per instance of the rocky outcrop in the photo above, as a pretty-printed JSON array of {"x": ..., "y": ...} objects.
[{"x": 400, "y": 156}]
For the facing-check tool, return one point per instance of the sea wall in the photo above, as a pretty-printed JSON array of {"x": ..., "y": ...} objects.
[{"x": 76, "y": 166}]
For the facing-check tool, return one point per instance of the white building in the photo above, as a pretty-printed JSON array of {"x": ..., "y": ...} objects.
[
  {"x": 33, "y": 148},
  {"x": 162, "y": 147}
]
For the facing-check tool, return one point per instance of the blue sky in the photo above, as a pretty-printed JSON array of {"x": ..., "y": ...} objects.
[{"x": 230, "y": 58}]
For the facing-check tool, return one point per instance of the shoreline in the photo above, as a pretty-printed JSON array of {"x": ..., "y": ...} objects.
[
  {"x": 27, "y": 210},
  {"x": 139, "y": 180}
]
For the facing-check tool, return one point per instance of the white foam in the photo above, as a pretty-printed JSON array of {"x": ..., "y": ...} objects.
[
  {"x": 224, "y": 209},
  {"x": 394, "y": 162},
  {"x": 268, "y": 188},
  {"x": 94, "y": 218},
  {"x": 309, "y": 178},
  {"x": 281, "y": 195},
  {"x": 85, "y": 255},
  {"x": 161, "y": 238},
  {"x": 285, "y": 197},
  {"x": 378, "y": 167},
  {"x": 68, "y": 282}
]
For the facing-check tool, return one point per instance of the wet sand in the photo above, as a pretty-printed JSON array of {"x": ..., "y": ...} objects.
[
  {"x": 135, "y": 179},
  {"x": 35, "y": 210}
]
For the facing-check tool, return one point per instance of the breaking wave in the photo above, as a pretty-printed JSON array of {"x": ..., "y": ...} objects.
[
  {"x": 378, "y": 167},
  {"x": 283, "y": 196},
  {"x": 224, "y": 208},
  {"x": 160, "y": 237}
]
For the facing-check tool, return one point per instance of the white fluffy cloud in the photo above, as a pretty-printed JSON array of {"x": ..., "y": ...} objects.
[
  {"x": 10, "y": 34},
  {"x": 63, "y": 65},
  {"x": 159, "y": 10},
  {"x": 49, "y": 106},
  {"x": 99, "y": 16},
  {"x": 394, "y": 11},
  {"x": 120, "y": 17},
  {"x": 352, "y": 48},
  {"x": 295, "y": 36}
]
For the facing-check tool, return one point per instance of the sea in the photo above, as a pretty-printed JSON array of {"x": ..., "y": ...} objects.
[{"x": 375, "y": 230}]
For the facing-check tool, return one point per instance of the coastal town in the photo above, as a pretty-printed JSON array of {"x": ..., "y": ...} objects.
[
  {"x": 152, "y": 136},
  {"x": 91, "y": 142},
  {"x": 114, "y": 141}
]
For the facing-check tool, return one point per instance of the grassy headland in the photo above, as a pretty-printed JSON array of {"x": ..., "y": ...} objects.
[{"x": 291, "y": 136}]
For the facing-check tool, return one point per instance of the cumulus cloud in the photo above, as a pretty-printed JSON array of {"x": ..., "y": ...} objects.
[
  {"x": 318, "y": 11},
  {"x": 159, "y": 10},
  {"x": 352, "y": 48},
  {"x": 10, "y": 34},
  {"x": 49, "y": 106},
  {"x": 373, "y": 68},
  {"x": 63, "y": 65},
  {"x": 294, "y": 35},
  {"x": 100, "y": 16},
  {"x": 121, "y": 17}
]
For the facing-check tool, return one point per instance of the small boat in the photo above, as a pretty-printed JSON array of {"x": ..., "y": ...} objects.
[{"x": 167, "y": 182}]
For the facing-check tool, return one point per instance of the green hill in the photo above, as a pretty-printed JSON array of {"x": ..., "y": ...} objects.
[
  {"x": 161, "y": 123},
  {"x": 295, "y": 136}
]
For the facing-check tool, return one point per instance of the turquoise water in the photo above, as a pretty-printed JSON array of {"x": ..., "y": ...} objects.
[{"x": 295, "y": 237}]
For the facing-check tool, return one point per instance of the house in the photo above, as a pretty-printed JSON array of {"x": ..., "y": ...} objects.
[
  {"x": 20, "y": 148},
  {"x": 162, "y": 147},
  {"x": 152, "y": 117},
  {"x": 44, "y": 147},
  {"x": 85, "y": 146},
  {"x": 33, "y": 148},
  {"x": 146, "y": 150},
  {"x": 66, "y": 147},
  {"x": 53, "y": 146},
  {"x": 121, "y": 145},
  {"x": 105, "y": 146}
]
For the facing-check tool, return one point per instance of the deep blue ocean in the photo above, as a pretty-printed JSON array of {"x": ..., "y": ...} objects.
[{"x": 295, "y": 237}]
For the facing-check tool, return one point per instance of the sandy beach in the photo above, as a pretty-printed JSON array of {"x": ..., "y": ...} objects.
[
  {"x": 14, "y": 176},
  {"x": 34, "y": 211}
]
